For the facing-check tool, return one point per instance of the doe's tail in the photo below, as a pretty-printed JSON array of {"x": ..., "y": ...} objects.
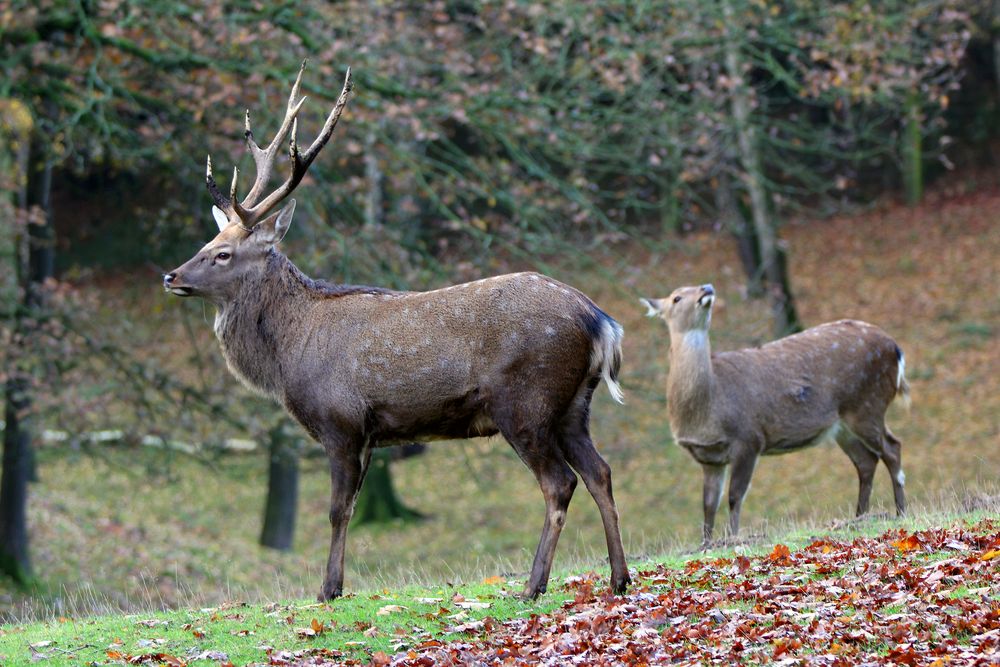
[{"x": 902, "y": 386}]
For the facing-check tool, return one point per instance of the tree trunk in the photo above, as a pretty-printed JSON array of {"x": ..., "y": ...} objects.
[
  {"x": 15, "y": 560},
  {"x": 34, "y": 178},
  {"x": 995, "y": 31},
  {"x": 377, "y": 501},
  {"x": 373, "y": 175},
  {"x": 779, "y": 291},
  {"x": 278, "y": 531},
  {"x": 735, "y": 220},
  {"x": 912, "y": 150}
]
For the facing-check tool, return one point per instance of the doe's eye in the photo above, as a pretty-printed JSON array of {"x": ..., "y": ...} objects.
[
  {"x": 223, "y": 256},
  {"x": 677, "y": 299}
]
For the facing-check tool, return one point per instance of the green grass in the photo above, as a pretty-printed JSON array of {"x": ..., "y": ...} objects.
[
  {"x": 357, "y": 626},
  {"x": 367, "y": 622}
]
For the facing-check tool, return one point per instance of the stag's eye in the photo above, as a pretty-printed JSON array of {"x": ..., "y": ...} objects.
[
  {"x": 677, "y": 299},
  {"x": 222, "y": 256}
]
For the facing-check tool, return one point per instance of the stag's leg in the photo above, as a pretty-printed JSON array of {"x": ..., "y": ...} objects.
[
  {"x": 864, "y": 461},
  {"x": 539, "y": 449},
  {"x": 742, "y": 465},
  {"x": 596, "y": 474},
  {"x": 348, "y": 464},
  {"x": 557, "y": 482},
  {"x": 711, "y": 495},
  {"x": 892, "y": 456}
]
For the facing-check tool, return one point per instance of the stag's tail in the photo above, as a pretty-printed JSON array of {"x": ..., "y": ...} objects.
[
  {"x": 902, "y": 386},
  {"x": 606, "y": 354}
]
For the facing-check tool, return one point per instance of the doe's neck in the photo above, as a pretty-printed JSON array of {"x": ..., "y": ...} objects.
[{"x": 691, "y": 382}]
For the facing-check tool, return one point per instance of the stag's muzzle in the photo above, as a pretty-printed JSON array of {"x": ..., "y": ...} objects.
[{"x": 170, "y": 285}]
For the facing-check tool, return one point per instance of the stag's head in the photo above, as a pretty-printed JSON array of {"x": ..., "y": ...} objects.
[
  {"x": 686, "y": 309},
  {"x": 248, "y": 229}
]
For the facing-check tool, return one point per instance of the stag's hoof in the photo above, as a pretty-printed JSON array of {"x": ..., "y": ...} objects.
[
  {"x": 531, "y": 592},
  {"x": 619, "y": 587},
  {"x": 330, "y": 593}
]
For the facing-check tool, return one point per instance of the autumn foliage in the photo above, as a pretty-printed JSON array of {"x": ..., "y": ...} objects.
[{"x": 923, "y": 598}]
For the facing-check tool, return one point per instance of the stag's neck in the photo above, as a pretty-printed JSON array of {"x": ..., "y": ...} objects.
[
  {"x": 691, "y": 382},
  {"x": 254, "y": 327}
]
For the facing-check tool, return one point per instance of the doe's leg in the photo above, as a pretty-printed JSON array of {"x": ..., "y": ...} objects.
[
  {"x": 711, "y": 495},
  {"x": 742, "y": 465},
  {"x": 892, "y": 456},
  {"x": 864, "y": 461}
]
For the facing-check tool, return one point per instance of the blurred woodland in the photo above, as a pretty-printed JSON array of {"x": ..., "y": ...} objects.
[{"x": 481, "y": 136}]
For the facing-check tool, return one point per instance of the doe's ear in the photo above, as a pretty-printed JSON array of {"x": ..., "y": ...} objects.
[
  {"x": 653, "y": 308},
  {"x": 220, "y": 218},
  {"x": 272, "y": 229}
]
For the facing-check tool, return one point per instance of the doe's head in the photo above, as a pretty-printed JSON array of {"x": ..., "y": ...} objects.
[
  {"x": 237, "y": 252},
  {"x": 686, "y": 309}
]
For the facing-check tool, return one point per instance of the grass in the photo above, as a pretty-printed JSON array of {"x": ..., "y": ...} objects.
[
  {"x": 357, "y": 625},
  {"x": 130, "y": 531},
  {"x": 367, "y": 622}
]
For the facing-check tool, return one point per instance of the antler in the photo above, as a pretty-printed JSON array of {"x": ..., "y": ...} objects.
[{"x": 253, "y": 208}]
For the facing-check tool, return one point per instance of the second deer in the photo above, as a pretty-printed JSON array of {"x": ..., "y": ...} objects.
[{"x": 834, "y": 381}]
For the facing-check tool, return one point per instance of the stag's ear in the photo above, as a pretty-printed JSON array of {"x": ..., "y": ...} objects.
[
  {"x": 274, "y": 228},
  {"x": 220, "y": 218},
  {"x": 653, "y": 308}
]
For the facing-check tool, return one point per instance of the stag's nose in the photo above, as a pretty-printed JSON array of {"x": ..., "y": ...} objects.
[
  {"x": 168, "y": 280},
  {"x": 707, "y": 289}
]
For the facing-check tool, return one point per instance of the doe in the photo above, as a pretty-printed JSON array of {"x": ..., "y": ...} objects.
[
  {"x": 365, "y": 367},
  {"x": 834, "y": 381}
]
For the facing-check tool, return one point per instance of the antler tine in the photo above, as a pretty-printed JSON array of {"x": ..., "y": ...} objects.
[
  {"x": 300, "y": 161},
  {"x": 264, "y": 158},
  {"x": 213, "y": 189},
  {"x": 232, "y": 188},
  {"x": 331, "y": 120}
]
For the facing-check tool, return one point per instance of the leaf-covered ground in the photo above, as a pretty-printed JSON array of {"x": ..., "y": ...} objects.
[
  {"x": 924, "y": 598},
  {"x": 913, "y": 595}
]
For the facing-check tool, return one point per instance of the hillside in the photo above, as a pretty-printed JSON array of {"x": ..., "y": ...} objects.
[
  {"x": 137, "y": 530},
  {"x": 906, "y": 595}
]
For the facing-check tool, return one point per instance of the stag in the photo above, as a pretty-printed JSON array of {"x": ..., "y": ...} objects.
[
  {"x": 364, "y": 367},
  {"x": 832, "y": 382}
]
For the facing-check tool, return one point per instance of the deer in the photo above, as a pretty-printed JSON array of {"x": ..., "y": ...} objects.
[
  {"x": 834, "y": 382},
  {"x": 360, "y": 367}
]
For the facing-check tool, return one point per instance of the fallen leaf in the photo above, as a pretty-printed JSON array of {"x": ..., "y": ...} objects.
[
  {"x": 473, "y": 604},
  {"x": 390, "y": 609}
]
